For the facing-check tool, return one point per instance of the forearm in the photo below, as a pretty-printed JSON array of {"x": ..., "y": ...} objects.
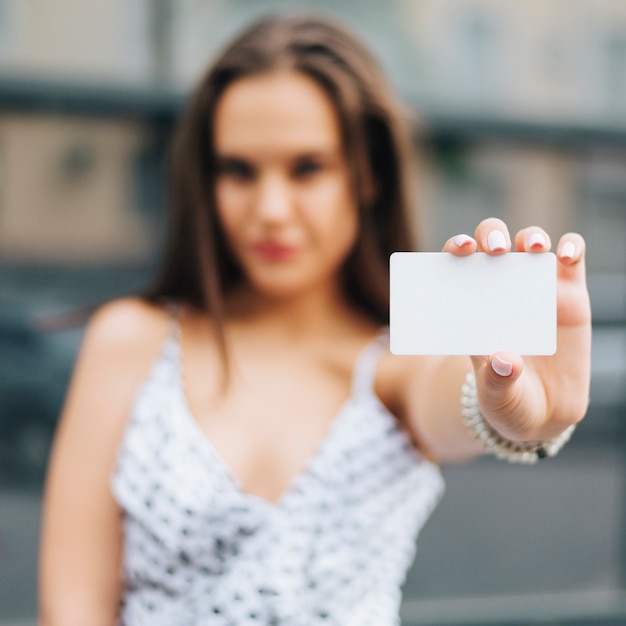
[{"x": 434, "y": 409}]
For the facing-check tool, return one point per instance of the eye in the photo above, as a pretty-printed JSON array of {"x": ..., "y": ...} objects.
[
  {"x": 236, "y": 169},
  {"x": 307, "y": 168}
]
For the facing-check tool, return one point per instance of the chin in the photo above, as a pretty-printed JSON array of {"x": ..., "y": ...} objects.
[
  {"x": 284, "y": 287},
  {"x": 281, "y": 291}
]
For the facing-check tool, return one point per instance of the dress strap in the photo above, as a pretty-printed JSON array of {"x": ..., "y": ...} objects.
[
  {"x": 366, "y": 363},
  {"x": 171, "y": 345},
  {"x": 174, "y": 331}
]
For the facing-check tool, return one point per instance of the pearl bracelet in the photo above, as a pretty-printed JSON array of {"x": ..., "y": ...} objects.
[{"x": 527, "y": 452}]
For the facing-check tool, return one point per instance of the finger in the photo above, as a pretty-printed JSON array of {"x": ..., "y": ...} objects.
[
  {"x": 532, "y": 239},
  {"x": 460, "y": 245},
  {"x": 492, "y": 236},
  {"x": 571, "y": 255},
  {"x": 573, "y": 306}
]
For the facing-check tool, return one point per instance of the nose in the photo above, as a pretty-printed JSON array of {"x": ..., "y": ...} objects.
[{"x": 273, "y": 202}]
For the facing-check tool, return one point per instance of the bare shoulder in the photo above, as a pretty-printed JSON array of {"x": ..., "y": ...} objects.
[
  {"x": 120, "y": 342},
  {"x": 127, "y": 324}
]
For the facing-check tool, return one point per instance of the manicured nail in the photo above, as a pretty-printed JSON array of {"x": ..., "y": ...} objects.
[
  {"x": 568, "y": 250},
  {"x": 496, "y": 241},
  {"x": 501, "y": 367},
  {"x": 536, "y": 240},
  {"x": 461, "y": 240}
]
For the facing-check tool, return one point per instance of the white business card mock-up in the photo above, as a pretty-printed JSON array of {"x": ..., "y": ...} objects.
[{"x": 441, "y": 303}]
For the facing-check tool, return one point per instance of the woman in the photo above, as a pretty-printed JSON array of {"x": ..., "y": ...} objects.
[{"x": 238, "y": 446}]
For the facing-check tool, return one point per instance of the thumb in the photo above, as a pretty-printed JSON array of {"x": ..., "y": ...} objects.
[{"x": 498, "y": 391}]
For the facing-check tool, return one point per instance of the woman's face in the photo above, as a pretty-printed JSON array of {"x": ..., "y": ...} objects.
[{"x": 283, "y": 187}]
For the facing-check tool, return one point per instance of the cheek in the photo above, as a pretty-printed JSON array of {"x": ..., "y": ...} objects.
[
  {"x": 334, "y": 223},
  {"x": 231, "y": 202},
  {"x": 348, "y": 229},
  {"x": 335, "y": 211}
]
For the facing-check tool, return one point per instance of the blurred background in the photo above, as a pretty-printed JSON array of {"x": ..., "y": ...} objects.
[{"x": 524, "y": 104}]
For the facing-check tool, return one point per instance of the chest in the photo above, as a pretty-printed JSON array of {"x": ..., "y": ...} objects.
[{"x": 272, "y": 422}]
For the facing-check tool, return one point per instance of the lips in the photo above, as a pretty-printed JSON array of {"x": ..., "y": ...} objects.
[{"x": 271, "y": 251}]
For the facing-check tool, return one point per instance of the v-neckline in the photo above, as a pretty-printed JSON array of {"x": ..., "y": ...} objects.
[{"x": 213, "y": 454}]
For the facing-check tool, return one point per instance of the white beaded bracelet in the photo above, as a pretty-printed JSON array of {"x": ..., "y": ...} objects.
[{"x": 527, "y": 452}]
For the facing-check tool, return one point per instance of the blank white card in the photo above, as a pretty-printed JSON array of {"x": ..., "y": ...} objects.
[{"x": 475, "y": 305}]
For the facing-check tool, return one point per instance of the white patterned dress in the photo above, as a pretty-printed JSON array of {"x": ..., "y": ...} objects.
[{"x": 334, "y": 550}]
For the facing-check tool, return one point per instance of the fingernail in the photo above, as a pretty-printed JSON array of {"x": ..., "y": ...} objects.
[
  {"x": 461, "y": 240},
  {"x": 536, "y": 240},
  {"x": 568, "y": 250},
  {"x": 501, "y": 367},
  {"x": 496, "y": 241}
]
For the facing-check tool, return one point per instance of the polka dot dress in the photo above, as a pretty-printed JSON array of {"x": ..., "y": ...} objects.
[{"x": 334, "y": 550}]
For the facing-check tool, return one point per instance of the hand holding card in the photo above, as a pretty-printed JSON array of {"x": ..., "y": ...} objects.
[{"x": 484, "y": 323}]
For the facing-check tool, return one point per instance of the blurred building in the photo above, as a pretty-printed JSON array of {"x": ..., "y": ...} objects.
[
  {"x": 81, "y": 209},
  {"x": 563, "y": 59},
  {"x": 561, "y": 62},
  {"x": 103, "y": 40}
]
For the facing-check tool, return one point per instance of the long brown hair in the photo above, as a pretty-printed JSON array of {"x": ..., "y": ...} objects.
[{"x": 197, "y": 267}]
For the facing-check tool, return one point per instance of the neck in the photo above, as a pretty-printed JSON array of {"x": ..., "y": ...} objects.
[{"x": 309, "y": 313}]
